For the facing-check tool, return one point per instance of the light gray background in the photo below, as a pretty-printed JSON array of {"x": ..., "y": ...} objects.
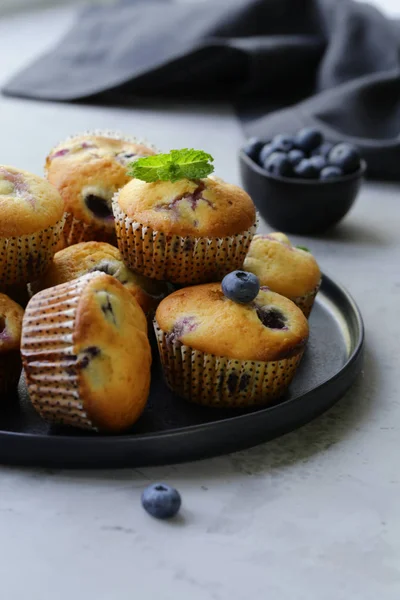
[{"x": 313, "y": 515}]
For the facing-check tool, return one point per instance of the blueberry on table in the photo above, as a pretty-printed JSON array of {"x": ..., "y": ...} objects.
[
  {"x": 283, "y": 142},
  {"x": 318, "y": 161},
  {"x": 308, "y": 139},
  {"x": 306, "y": 170},
  {"x": 323, "y": 149},
  {"x": 278, "y": 164},
  {"x": 240, "y": 286},
  {"x": 252, "y": 148},
  {"x": 295, "y": 156},
  {"x": 330, "y": 172},
  {"x": 161, "y": 501},
  {"x": 346, "y": 157},
  {"x": 266, "y": 151}
]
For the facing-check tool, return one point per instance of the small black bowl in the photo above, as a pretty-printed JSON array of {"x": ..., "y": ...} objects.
[{"x": 301, "y": 206}]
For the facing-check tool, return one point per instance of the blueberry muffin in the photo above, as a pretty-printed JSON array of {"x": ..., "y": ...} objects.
[
  {"x": 88, "y": 170},
  {"x": 285, "y": 269},
  {"x": 86, "y": 257},
  {"x": 222, "y": 352},
  {"x": 86, "y": 355},
  {"x": 10, "y": 337},
  {"x": 32, "y": 218},
  {"x": 187, "y": 231}
]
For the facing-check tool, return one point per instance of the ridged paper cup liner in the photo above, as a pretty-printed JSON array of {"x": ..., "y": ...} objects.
[
  {"x": 26, "y": 257},
  {"x": 223, "y": 382},
  {"x": 306, "y": 302},
  {"x": 178, "y": 259},
  {"x": 76, "y": 231},
  {"x": 10, "y": 372},
  {"x": 48, "y": 358}
]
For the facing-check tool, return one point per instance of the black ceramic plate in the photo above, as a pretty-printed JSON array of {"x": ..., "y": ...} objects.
[{"x": 172, "y": 430}]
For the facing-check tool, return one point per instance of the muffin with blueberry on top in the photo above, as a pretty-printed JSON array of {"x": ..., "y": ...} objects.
[
  {"x": 87, "y": 257},
  {"x": 176, "y": 223},
  {"x": 87, "y": 170},
  {"x": 231, "y": 344},
  {"x": 86, "y": 355},
  {"x": 291, "y": 271},
  {"x": 11, "y": 315}
]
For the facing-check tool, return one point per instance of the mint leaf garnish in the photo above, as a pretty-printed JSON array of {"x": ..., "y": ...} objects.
[
  {"x": 304, "y": 248},
  {"x": 176, "y": 165}
]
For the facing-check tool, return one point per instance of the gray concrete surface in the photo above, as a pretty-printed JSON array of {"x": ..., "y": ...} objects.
[{"x": 313, "y": 515}]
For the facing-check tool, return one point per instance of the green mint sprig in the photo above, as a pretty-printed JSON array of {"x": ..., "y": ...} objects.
[
  {"x": 177, "y": 164},
  {"x": 303, "y": 248}
]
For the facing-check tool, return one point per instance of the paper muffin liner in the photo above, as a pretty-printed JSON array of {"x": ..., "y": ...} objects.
[
  {"x": 10, "y": 372},
  {"x": 223, "y": 382},
  {"x": 25, "y": 258},
  {"x": 306, "y": 302},
  {"x": 51, "y": 368},
  {"x": 178, "y": 259},
  {"x": 76, "y": 231}
]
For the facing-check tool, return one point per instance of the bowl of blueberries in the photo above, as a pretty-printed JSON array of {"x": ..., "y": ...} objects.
[{"x": 301, "y": 183}]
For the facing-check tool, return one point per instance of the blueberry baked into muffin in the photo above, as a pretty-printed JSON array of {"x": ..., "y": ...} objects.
[
  {"x": 288, "y": 270},
  {"x": 86, "y": 355},
  {"x": 88, "y": 170},
  {"x": 186, "y": 229},
  {"x": 231, "y": 344},
  {"x": 10, "y": 337},
  {"x": 87, "y": 257},
  {"x": 31, "y": 222}
]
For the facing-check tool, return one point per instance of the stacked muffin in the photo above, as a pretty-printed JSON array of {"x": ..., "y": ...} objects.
[{"x": 227, "y": 337}]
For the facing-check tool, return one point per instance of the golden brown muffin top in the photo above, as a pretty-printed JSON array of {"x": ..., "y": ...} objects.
[
  {"x": 28, "y": 203},
  {"x": 282, "y": 267},
  {"x": 269, "y": 328},
  {"x": 86, "y": 257},
  {"x": 204, "y": 207},
  {"x": 88, "y": 170},
  {"x": 11, "y": 315}
]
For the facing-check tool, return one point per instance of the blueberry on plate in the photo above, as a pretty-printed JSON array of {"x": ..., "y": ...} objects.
[
  {"x": 252, "y": 148},
  {"x": 278, "y": 163},
  {"x": 318, "y": 161},
  {"x": 266, "y": 151},
  {"x": 346, "y": 157},
  {"x": 308, "y": 139},
  {"x": 161, "y": 501},
  {"x": 323, "y": 149},
  {"x": 283, "y": 142},
  {"x": 295, "y": 156},
  {"x": 330, "y": 172},
  {"x": 306, "y": 170},
  {"x": 240, "y": 286}
]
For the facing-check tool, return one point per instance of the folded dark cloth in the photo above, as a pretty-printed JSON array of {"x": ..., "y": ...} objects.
[{"x": 284, "y": 63}]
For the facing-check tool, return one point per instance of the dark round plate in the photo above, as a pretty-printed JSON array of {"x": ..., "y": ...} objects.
[{"x": 172, "y": 430}]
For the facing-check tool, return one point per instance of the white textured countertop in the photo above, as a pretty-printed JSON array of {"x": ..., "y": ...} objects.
[{"x": 314, "y": 515}]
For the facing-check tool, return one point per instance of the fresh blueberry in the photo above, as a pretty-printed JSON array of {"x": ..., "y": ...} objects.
[
  {"x": 240, "y": 286},
  {"x": 318, "y": 161},
  {"x": 161, "y": 501},
  {"x": 323, "y": 149},
  {"x": 331, "y": 172},
  {"x": 265, "y": 152},
  {"x": 346, "y": 157},
  {"x": 306, "y": 170},
  {"x": 252, "y": 148},
  {"x": 283, "y": 142},
  {"x": 308, "y": 138},
  {"x": 278, "y": 163},
  {"x": 295, "y": 156}
]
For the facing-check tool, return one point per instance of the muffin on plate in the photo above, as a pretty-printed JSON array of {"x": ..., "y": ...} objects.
[
  {"x": 32, "y": 219},
  {"x": 186, "y": 231},
  {"x": 234, "y": 353},
  {"x": 10, "y": 337},
  {"x": 87, "y": 257},
  {"x": 88, "y": 170},
  {"x": 86, "y": 355},
  {"x": 288, "y": 270}
]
